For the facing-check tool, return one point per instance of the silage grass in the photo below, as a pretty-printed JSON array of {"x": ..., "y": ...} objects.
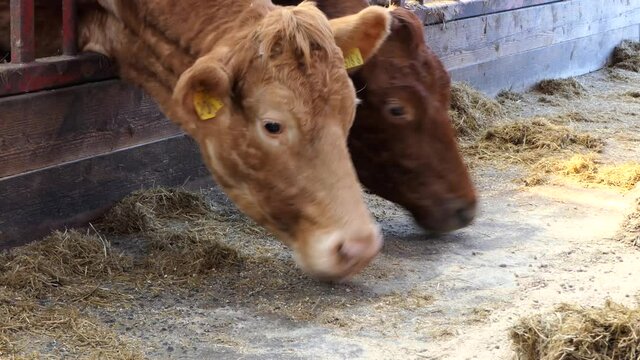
[
  {"x": 629, "y": 232},
  {"x": 568, "y": 88},
  {"x": 471, "y": 111},
  {"x": 529, "y": 141},
  {"x": 546, "y": 146},
  {"x": 66, "y": 265},
  {"x": 79, "y": 335},
  {"x": 588, "y": 169},
  {"x": 626, "y": 56},
  {"x": 572, "y": 332},
  {"x": 46, "y": 285}
]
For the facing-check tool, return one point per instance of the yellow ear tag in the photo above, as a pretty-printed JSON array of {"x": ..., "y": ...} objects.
[
  {"x": 206, "y": 105},
  {"x": 353, "y": 58}
]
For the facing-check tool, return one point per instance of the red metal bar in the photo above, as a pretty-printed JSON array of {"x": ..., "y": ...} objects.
[
  {"x": 53, "y": 72},
  {"x": 69, "y": 33},
  {"x": 22, "y": 31}
]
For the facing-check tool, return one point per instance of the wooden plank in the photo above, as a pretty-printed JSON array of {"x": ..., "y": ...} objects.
[
  {"x": 487, "y": 38},
  {"x": 438, "y": 12},
  {"x": 33, "y": 204},
  {"x": 51, "y": 127},
  {"x": 521, "y": 71}
]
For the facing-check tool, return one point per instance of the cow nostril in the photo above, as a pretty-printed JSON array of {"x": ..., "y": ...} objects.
[
  {"x": 340, "y": 250},
  {"x": 466, "y": 214},
  {"x": 359, "y": 248}
]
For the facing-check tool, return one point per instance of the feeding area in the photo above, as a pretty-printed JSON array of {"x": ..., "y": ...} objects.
[{"x": 547, "y": 270}]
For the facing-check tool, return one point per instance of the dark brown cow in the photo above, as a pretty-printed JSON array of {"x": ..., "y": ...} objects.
[{"x": 402, "y": 142}]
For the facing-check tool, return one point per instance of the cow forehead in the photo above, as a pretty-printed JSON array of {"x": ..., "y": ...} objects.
[{"x": 321, "y": 87}]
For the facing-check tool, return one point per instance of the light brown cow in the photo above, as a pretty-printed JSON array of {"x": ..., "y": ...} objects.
[{"x": 264, "y": 92}]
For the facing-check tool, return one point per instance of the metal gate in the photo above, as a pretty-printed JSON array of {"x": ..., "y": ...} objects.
[{"x": 26, "y": 73}]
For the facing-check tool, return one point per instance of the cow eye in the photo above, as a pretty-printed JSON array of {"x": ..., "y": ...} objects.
[
  {"x": 396, "y": 109},
  {"x": 272, "y": 127}
]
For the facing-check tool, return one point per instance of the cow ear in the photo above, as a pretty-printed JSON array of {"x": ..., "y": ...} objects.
[
  {"x": 203, "y": 90},
  {"x": 360, "y": 35}
]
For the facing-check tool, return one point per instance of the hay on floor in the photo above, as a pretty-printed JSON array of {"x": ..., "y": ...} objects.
[
  {"x": 188, "y": 252},
  {"x": 71, "y": 333},
  {"x": 632, "y": 94},
  {"x": 587, "y": 169},
  {"x": 579, "y": 117},
  {"x": 627, "y": 56},
  {"x": 567, "y": 88},
  {"x": 65, "y": 264},
  {"x": 183, "y": 234},
  {"x": 142, "y": 210},
  {"x": 527, "y": 142},
  {"x": 629, "y": 232},
  {"x": 505, "y": 96},
  {"x": 471, "y": 111},
  {"x": 45, "y": 286},
  {"x": 570, "y": 332}
]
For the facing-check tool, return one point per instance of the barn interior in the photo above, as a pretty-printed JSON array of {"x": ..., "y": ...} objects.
[{"x": 158, "y": 263}]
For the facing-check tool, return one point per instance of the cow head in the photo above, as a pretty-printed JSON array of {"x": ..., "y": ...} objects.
[
  {"x": 271, "y": 117},
  {"x": 402, "y": 142}
]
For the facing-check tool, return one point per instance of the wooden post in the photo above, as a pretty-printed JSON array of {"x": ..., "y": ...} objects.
[
  {"x": 69, "y": 32},
  {"x": 22, "y": 31}
]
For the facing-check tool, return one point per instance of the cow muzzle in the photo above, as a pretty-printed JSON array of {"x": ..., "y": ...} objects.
[{"x": 338, "y": 255}]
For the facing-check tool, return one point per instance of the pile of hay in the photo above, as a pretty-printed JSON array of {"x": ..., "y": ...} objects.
[
  {"x": 579, "y": 117},
  {"x": 505, "y": 96},
  {"x": 573, "y": 332},
  {"x": 528, "y": 142},
  {"x": 68, "y": 332},
  {"x": 45, "y": 286},
  {"x": 586, "y": 169},
  {"x": 630, "y": 230},
  {"x": 148, "y": 210},
  {"x": 632, "y": 94},
  {"x": 627, "y": 56},
  {"x": 471, "y": 111},
  {"x": 67, "y": 265},
  {"x": 566, "y": 88},
  {"x": 182, "y": 235}
]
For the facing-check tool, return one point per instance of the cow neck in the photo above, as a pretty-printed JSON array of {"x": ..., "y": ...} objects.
[{"x": 196, "y": 27}]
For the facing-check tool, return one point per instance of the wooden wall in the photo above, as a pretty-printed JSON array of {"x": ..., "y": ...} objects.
[
  {"x": 515, "y": 49},
  {"x": 66, "y": 155}
]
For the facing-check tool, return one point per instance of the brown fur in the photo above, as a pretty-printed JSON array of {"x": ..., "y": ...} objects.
[
  {"x": 412, "y": 160},
  {"x": 265, "y": 63}
]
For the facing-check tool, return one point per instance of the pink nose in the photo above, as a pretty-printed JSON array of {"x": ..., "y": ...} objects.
[
  {"x": 360, "y": 248},
  {"x": 354, "y": 253},
  {"x": 339, "y": 255}
]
